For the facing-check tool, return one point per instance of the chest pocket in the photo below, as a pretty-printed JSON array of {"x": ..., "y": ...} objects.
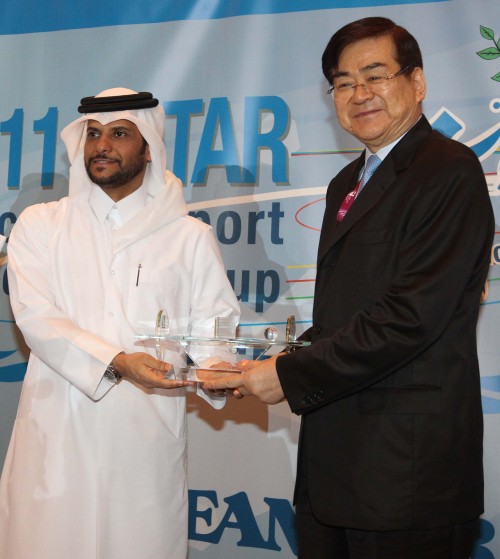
[
  {"x": 151, "y": 289},
  {"x": 374, "y": 237},
  {"x": 148, "y": 275}
]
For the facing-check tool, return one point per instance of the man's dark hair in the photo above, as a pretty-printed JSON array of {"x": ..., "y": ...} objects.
[{"x": 407, "y": 50}]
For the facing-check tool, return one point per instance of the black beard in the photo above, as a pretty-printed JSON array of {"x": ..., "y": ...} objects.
[{"x": 123, "y": 176}]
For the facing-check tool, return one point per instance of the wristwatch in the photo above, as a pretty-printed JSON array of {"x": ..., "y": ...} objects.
[{"x": 111, "y": 375}]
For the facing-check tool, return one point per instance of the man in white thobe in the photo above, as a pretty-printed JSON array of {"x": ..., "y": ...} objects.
[{"x": 96, "y": 464}]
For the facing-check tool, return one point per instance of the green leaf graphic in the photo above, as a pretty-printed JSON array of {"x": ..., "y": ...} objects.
[
  {"x": 489, "y": 54},
  {"x": 487, "y": 33}
]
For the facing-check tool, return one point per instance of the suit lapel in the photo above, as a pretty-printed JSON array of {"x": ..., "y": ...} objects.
[
  {"x": 385, "y": 176},
  {"x": 338, "y": 193}
]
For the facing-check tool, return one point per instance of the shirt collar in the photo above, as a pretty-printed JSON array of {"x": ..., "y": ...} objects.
[
  {"x": 382, "y": 153},
  {"x": 101, "y": 203},
  {"x": 132, "y": 204}
]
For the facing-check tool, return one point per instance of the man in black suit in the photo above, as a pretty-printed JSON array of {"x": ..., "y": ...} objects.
[{"x": 390, "y": 452}]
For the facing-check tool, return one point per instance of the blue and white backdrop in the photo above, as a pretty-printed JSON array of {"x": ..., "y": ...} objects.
[{"x": 252, "y": 134}]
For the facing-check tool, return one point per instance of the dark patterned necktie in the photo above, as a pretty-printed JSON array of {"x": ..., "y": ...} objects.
[{"x": 370, "y": 167}]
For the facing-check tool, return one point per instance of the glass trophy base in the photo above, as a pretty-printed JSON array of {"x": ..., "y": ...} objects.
[
  {"x": 200, "y": 374},
  {"x": 236, "y": 345}
]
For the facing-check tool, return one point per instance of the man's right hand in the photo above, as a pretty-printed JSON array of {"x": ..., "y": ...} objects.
[{"x": 145, "y": 370}]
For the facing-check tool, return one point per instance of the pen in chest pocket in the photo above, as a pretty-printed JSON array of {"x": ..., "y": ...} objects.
[{"x": 138, "y": 275}]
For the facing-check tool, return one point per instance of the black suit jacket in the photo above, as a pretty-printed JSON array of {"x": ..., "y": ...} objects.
[{"x": 389, "y": 390}]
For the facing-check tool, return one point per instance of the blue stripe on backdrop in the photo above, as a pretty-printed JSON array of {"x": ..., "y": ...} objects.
[{"x": 35, "y": 16}]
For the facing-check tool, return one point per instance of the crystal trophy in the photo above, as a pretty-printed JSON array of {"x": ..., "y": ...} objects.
[{"x": 220, "y": 352}]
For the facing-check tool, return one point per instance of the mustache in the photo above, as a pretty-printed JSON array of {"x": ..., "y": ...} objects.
[{"x": 102, "y": 158}]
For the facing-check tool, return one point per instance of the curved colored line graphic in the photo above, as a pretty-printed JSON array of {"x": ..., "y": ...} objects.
[{"x": 302, "y": 209}]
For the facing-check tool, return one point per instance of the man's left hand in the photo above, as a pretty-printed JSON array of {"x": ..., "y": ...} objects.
[{"x": 258, "y": 378}]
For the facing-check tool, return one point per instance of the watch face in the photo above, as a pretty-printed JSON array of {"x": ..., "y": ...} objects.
[{"x": 110, "y": 376}]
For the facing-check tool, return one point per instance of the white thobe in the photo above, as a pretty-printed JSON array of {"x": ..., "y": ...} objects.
[{"x": 96, "y": 471}]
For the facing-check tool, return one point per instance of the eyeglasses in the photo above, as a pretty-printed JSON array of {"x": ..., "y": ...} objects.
[{"x": 375, "y": 82}]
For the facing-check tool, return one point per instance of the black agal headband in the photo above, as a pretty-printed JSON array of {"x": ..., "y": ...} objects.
[{"x": 143, "y": 100}]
